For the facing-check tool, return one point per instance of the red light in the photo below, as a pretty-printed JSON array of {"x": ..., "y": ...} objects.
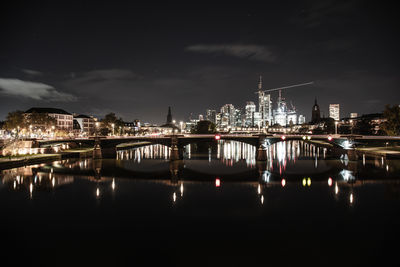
[
  {"x": 283, "y": 137},
  {"x": 217, "y": 182},
  {"x": 330, "y": 138},
  {"x": 217, "y": 137}
]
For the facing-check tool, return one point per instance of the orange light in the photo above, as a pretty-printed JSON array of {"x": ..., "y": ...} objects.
[
  {"x": 283, "y": 182},
  {"x": 217, "y": 137},
  {"x": 283, "y": 137},
  {"x": 329, "y": 138},
  {"x": 217, "y": 182}
]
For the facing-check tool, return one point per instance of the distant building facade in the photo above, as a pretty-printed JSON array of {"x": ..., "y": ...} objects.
[
  {"x": 353, "y": 115},
  {"x": 64, "y": 120},
  {"x": 211, "y": 115},
  {"x": 86, "y": 123},
  {"x": 334, "y": 111}
]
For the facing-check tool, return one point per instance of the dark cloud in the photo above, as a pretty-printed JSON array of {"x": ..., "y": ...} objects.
[
  {"x": 248, "y": 51},
  {"x": 33, "y": 90}
]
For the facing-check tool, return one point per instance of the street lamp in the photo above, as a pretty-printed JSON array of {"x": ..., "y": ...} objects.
[
  {"x": 336, "y": 123},
  {"x": 97, "y": 126}
]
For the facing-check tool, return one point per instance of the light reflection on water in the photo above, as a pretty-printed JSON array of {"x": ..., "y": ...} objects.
[
  {"x": 341, "y": 179},
  {"x": 231, "y": 152}
]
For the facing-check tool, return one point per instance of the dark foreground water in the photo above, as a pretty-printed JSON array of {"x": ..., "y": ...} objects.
[{"x": 213, "y": 209}]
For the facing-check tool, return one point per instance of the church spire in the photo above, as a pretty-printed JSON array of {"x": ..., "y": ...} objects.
[{"x": 169, "y": 116}]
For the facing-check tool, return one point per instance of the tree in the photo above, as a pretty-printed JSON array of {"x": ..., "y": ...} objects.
[
  {"x": 363, "y": 127},
  {"x": 204, "y": 127},
  {"x": 42, "y": 120},
  {"x": 110, "y": 123},
  {"x": 14, "y": 120},
  {"x": 392, "y": 124}
]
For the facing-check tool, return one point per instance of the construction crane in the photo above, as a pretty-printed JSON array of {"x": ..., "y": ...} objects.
[{"x": 284, "y": 87}]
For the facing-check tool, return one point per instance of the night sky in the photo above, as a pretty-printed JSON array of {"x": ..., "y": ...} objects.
[{"x": 137, "y": 60}]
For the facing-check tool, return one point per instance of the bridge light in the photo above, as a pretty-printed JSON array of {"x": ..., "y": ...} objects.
[
  {"x": 309, "y": 181},
  {"x": 217, "y": 182},
  {"x": 330, "y": 181},
  {"x": 304, "y": 181},
  {"x": 217, "y": 137},
  {"x": 308, "y": 137},
  {"x": 330, "y": 138},
  {"x": 283, "y": 137},
  {"x": 304, "y": 137}
]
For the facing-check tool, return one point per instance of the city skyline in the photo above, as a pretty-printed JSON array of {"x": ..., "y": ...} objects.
[{"x": 138, "y": 60}]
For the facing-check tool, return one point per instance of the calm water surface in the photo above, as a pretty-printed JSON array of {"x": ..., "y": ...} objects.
[{"x": 217, "y": 207}]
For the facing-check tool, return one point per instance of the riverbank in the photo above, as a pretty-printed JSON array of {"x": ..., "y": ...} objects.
[
  {"x": 24, "y": 160},
  {"x": 386, "y": 152}
]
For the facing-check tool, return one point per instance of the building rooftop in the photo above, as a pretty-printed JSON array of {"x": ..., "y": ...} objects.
[
  {"x": 82, "y": 116},
  {"x": 47, "y": 110}
]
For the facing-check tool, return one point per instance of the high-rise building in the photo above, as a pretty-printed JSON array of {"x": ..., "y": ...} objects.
[
  {"x": 249, "y": 113},
  {"x": 353, "y": 115},
  {"x": 334, "y": 111},
  {"x": 264, "y": 105},
  {"x": 238, "y": 118},
  {"x": 227, "y": 115},
  {"x": 302, "y": 119},
  {"x": 315, "y": 113},
  {"x": 211, "y": 115},
  {"x": 201, "y": 117},
  {"x": 257, "y": 119}
]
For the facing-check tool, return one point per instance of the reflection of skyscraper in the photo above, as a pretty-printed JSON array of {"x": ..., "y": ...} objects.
[
  {"x": 334, "y": 111},
  {"x": 264, "y": 105},
  {"x": 315, "y": 114}
]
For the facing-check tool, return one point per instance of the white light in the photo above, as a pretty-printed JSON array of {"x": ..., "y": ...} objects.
[
  {"x": 97, "y": 192},
  {"x": 181, "y": 189},
  {"x": 174, "y": 197},
  {"x": 351, "y": 198},
  {"x": 113, "y": 184},
  {"x": 262, "y": 199},
  {"x": 330, "y": 181},
  {"x": 336, "y": 188},
  {"x": 259, "y": 189}
]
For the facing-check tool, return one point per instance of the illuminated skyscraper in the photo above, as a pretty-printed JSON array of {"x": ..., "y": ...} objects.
[
  {"x": 249, "y": 113},
  {"x": 264, "y": 105},
  {"x": 227, "y": 115},
  {"x": 211, "y": 115},
  {"x": 334, "y": 111}
]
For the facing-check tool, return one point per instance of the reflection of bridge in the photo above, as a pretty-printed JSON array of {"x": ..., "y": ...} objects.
[{"x": 336, "y": 144}]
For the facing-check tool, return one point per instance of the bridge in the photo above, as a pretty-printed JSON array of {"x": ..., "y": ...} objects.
[{"x": 106, "y": 147}]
